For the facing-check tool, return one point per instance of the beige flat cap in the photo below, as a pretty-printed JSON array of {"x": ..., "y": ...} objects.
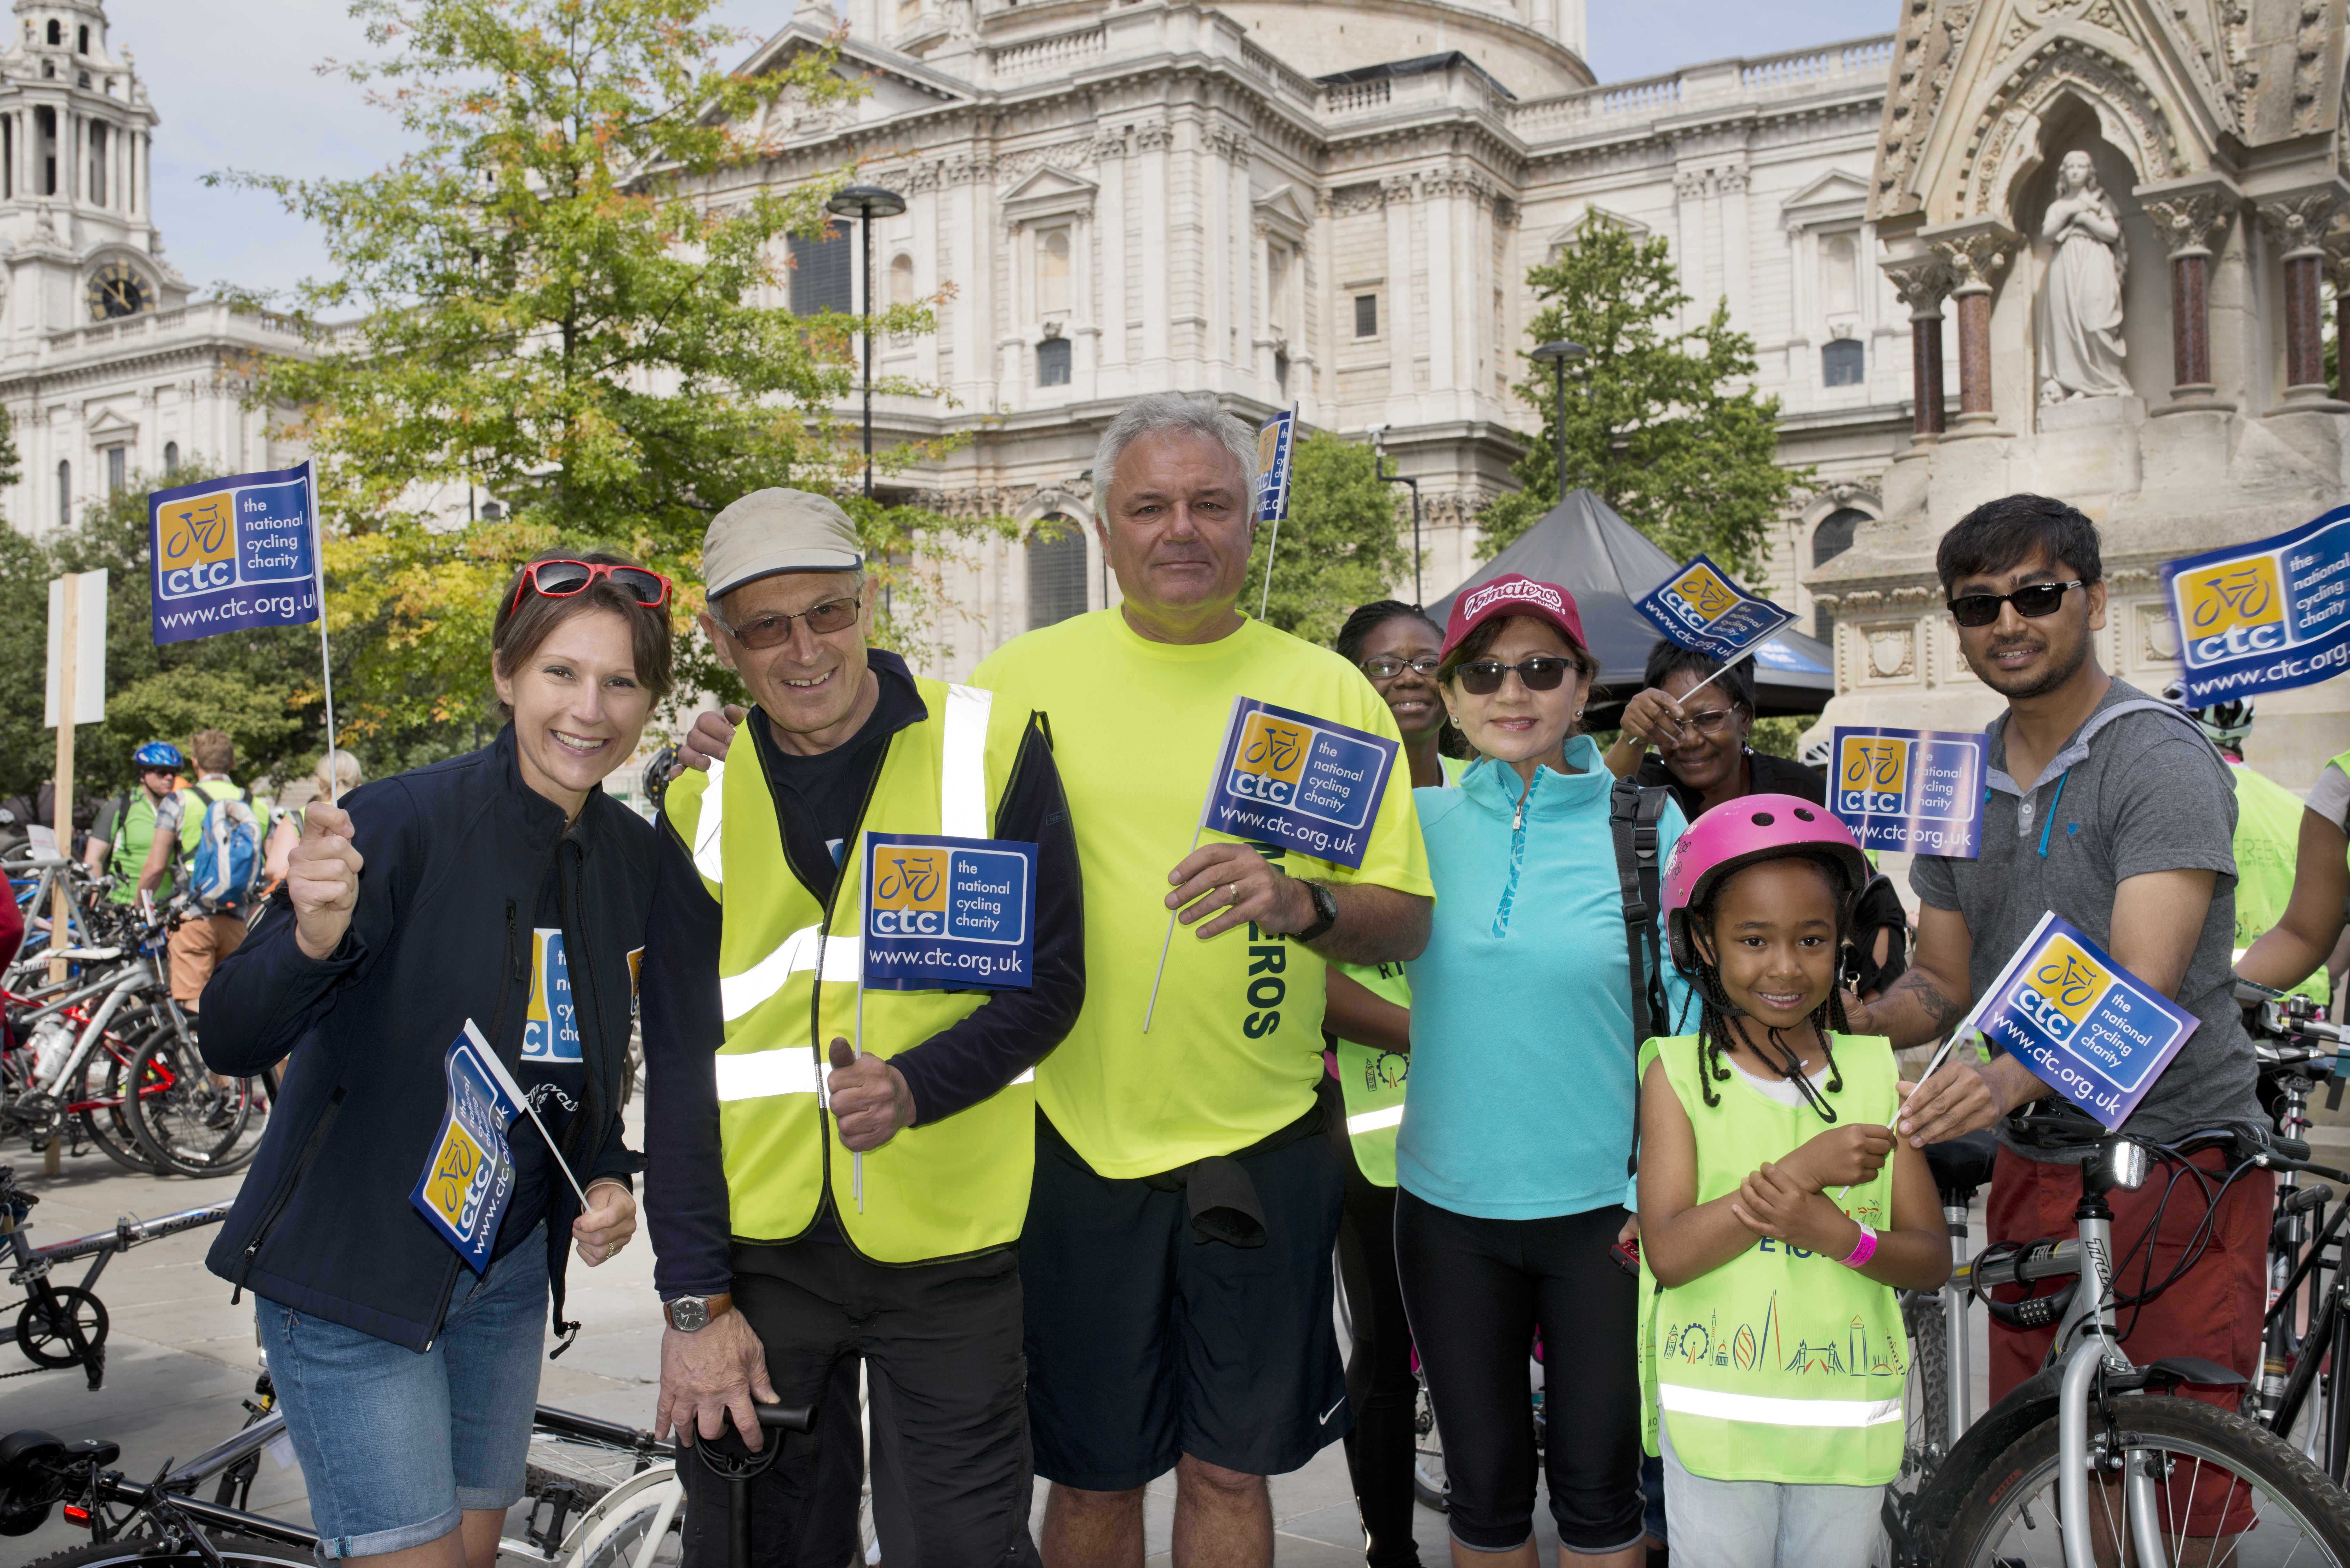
[{"x": 776, "y": 530}]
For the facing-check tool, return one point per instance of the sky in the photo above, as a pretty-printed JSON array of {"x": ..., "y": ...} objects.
[{"x": 235, "y": 85}]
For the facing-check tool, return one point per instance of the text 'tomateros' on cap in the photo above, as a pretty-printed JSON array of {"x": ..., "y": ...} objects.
[
  {"x": 1512, "y": 595},
  {"x": 776, "y": 530}
]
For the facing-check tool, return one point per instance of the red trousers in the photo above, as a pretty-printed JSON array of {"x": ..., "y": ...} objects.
[{"x": 2213, "y": 1311}]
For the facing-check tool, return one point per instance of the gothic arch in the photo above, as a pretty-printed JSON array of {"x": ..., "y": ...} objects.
[{"x": 2006, "y": 145}]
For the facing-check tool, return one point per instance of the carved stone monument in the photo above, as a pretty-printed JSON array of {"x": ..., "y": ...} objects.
[{"x": 2082, "y": 353}]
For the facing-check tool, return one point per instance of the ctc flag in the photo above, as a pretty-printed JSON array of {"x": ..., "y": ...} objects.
[
  {"x": 2264, "y": 617},
  {"x": 235, "y": 553}
]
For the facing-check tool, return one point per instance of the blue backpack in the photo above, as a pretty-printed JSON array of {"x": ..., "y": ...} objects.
[{"x": 227, "y": 863}]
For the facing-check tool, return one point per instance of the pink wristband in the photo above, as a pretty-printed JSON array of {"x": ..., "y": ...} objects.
[{"x": 1863, "y": 1251}]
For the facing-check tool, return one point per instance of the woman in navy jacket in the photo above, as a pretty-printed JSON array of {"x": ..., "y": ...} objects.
[{"x": 503, "y": 891}]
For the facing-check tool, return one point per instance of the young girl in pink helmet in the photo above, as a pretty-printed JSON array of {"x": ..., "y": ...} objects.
[{"x": 1774, "y": 1227}]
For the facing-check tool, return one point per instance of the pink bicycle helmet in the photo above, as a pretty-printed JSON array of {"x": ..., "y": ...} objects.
[{"x": 1740, "y": 832}]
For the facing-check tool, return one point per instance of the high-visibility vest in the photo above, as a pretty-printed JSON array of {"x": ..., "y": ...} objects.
[
  {"x": 2267, "y": 844},
  {"x": 935, "y": 1191},
  {"x": 1781, "y": 1365}
]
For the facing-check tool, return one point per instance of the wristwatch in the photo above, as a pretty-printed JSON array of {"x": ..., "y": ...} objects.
[
  {"x": 686, "y": 1313},
  {"x": 1326, "y": 913}
]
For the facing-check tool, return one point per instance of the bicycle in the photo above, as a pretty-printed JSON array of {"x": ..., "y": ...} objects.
[{"x": 2090, "y": 1411}]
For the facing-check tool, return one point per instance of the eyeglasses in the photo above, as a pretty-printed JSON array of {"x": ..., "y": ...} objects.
[
  {"x": 562, "y": 579},
  {"x": 774, "y": 630},
  {"x": 1388, "y": 669},
  {"x": 2039, "y": 599},
  {"x": 1709, "y": 721},
  {"x": 1483, "y": 678}
]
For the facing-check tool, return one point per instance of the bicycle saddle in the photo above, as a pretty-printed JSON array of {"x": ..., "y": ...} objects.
[
  {"x": 29, "y": 1484},
  {"x": 1963, "y": 1165}
]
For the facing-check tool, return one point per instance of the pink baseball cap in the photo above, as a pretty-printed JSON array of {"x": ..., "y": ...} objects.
[{"x": 1513, "y": 594}]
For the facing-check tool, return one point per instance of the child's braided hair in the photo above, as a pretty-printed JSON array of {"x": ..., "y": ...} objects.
[{"x": 1715, "y": 1017}]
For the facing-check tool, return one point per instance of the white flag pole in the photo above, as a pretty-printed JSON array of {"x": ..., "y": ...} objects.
[
  {"x": 325, "y": 660},
  {"x": 1198, "y": 827}
]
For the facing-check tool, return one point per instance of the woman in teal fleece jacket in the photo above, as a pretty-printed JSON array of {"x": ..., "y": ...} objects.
[{"x": 1512, "y": 1150}]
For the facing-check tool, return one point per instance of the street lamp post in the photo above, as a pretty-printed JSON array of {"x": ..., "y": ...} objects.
[
  {"x": 1379, "y": 467},
  {"x": 865, "y": 203},
  {"x": 1556, "y": 355}
]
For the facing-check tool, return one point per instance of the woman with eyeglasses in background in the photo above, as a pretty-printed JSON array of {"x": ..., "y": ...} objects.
[
  {"x": 501, "y": 892},
  {"x": 1516, "y": 1137},
  {"x": 1700, "y": 718}
]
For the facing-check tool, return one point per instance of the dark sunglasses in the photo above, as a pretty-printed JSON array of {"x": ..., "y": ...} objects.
[
  {"x": 2032, "y": 603},
  {"x": 1483, "y": 678},
  {"x": 1388, "y": 669},
  {"x": 774, "y": 630},
  {"x": 562, "y": 579}
]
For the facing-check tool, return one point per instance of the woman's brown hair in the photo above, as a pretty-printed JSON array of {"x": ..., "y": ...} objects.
[{"x": 527, "y": 619}]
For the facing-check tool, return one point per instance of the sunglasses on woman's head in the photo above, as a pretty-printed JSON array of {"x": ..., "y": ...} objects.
[
  {"x": 562, "y": 579},
  {"x": 1482, "y": 678},
  {"x": 2032, "y": 603}
]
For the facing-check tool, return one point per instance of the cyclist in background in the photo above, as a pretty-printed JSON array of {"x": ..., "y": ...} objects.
[
  {"x": 1367, "y": 1036},
  {"x": 125, "y": 829},
  {"x": 199, "y": 940},
  {"x": 2295, "y": 947}
]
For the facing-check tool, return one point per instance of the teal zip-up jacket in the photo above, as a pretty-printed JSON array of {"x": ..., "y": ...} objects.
[{"x": 1522, "y": 1049}]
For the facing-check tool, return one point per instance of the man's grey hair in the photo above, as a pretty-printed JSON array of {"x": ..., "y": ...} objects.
[{"x": 1166, "y": 414}]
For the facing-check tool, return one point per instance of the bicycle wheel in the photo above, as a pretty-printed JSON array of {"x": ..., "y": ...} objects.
[
  {"x": 1427, "y": 1474},
  {"x": 1925, "y": 1404},
  {"x": 236, "y": 1550},
  {"x": 2225, "y": 1474},
  {"x": 189, "y": 1124},
  {"x": 640, "y": 1523},
  {"x": 104, "y": 1087}
]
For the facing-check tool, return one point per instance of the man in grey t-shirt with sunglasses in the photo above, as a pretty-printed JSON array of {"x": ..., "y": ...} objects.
[{"x": 2108, "y": 807}]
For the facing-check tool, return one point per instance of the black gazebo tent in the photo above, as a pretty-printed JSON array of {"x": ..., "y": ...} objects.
[{"x": 1584, "y": 548}]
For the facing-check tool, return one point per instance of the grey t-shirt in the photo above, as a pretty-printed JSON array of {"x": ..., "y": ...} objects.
[{"x": 2137, "y": 789}]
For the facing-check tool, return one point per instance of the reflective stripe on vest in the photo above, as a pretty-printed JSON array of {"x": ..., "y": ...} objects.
[
  {"x": 708, "y": 858},
  {"x": 739, "y": 993},
  {"x": 1770, "y": 1412},
  {"x": 962, "y": 764},
  {"x": 1372, "y": 1121}
]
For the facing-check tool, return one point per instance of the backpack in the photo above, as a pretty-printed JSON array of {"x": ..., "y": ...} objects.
[{"x": 228, "y": 863}]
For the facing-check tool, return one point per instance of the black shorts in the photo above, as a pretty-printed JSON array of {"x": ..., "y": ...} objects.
[{"x": 1144, "y": 1345}]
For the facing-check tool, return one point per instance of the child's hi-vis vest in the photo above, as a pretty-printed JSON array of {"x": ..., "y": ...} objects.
[
  {"x": 936, "y": 1190},
  {"x": 1781, "y": 1365}
]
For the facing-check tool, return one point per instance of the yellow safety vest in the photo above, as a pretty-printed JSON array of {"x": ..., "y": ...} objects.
[{"x": 936, "y": 1190}]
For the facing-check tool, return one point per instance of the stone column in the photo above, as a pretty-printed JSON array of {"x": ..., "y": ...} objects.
[
  {"x": 2338, "y": 272},
  {"x": 1974, "y": 250},
  {"x": 1922, "y": 283},
  {"x": 2295, "y": 225},
  {"x": 2192, "y": 218}
]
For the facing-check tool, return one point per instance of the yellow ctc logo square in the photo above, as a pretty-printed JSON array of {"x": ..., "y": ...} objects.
[
  {"x": 2065, "y": 984},
  {"x": 195, "y": 545},
  {"x": 1873, "y": 774},
  {"x": 909, "y": 892},
  {"x": 1271, "y": 759},
  {"x": 1705, "y": 596},
  {"x": 2236, "y": 609}
]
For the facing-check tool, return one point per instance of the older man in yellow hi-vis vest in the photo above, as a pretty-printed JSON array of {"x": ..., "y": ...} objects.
[{"x": 810, "y": 1202}]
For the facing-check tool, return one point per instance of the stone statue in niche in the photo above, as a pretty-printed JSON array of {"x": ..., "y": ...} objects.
[{"x": 2081, "y": 346}]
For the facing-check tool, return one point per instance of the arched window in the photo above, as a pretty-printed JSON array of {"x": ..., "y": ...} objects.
[
  {"x": 65, "y": 482},
  {"x": 82, "y": 42},
  {"x": 1057, "y": 572},
  {"x": 170, "y": 457},
  {"x": 1843, "y": 363},
  {"x": 902, "y": 279},
  {"x": 1053, "y": 270},
  {"x": 1839, "y": 273},
  {"x": 1832, "y": 537},
  {"x": 118, "y": 469},
  {"x": 57, "y": 34},
  {"x": 97, "y": 187},
  {"x": 1053, "y": 362}
]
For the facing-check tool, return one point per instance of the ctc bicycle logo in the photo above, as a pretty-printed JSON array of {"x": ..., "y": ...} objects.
[
  {"x": 1702, "y": 598},
  {"x": 1873, "y": 775},
  {"x": 2235, "y": 609},
  {"x": 1272, "y": 760},
  {"x": 909, "y": 892},
  {"x": 2064, "y": 986},
  {"x": 195, "y": 545}
]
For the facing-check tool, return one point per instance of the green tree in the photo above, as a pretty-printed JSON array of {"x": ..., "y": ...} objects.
[
  {"x": 557, "y": 306},
  {"x": 1339, "y": 546},
  {"x": 1657, "y": 421}
]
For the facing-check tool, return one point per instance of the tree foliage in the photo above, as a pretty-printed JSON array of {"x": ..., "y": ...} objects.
[
  {"x": 569, "y": 298},
  {"x": 1339, "y": 546},
  {"x": 1661, "y": 421}
]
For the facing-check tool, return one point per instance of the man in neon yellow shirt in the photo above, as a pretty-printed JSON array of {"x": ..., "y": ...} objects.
[{"x": 1146, "y": 1351}]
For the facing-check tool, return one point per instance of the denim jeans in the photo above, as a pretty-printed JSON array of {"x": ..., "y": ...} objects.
[{"x": 394, "y": 1444}]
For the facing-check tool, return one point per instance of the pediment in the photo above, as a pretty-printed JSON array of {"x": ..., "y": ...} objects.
[
  {"x": 1571, "y": 235},
  {"x": 1282, "y": 208},
  {"x": 1832, "y": 189},
  {"x": 111, "y": 427},
  {"x": 1049, "y": 191}
]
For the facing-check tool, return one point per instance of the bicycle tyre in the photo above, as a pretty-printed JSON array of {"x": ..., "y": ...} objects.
[
  {"x": 1927, "y": 1400},
  {"x": 235, "y": 1551},
  {"x": 1430, "y": 1486},
  {"x": 106, "y": 1077},
  {"x": 179, "y": 1122},
  {"x": 2008, "y": 1482},
  {"x": 611, "y": 1534}
]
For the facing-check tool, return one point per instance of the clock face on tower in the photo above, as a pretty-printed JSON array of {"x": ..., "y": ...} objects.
[{"x": 115, "y": 289}]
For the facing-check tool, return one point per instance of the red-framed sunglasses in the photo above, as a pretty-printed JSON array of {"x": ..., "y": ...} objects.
[{"x": 561, "y": 579}]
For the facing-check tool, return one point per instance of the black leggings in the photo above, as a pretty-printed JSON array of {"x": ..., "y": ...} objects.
[
  {"x": 1380, "y": 1384},
  {"x": 1476, "y": 1290}
]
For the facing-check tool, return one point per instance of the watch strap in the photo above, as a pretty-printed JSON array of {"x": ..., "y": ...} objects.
[{"x": 1326, "y": 913}]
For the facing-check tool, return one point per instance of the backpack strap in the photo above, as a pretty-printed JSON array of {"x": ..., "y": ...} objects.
[{"x": 1633, "y": 814}]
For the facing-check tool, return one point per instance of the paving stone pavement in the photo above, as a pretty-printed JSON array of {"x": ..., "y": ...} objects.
[{"x": 180, "y": 1357}]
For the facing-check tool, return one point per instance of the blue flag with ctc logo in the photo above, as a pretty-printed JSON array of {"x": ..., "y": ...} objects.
[
  {"x": 1305, "y": 783},
  {"x": 469, "y": 1177},
  {"x": 1920, "y": 790},
  {"x": 2088, "y": 1028},
  {"x": 2264, "y": 617},
  {"x": 948, "y": 913},
  {"x": 1700, "y": 607},
  {"x": 234, "y": 552}
]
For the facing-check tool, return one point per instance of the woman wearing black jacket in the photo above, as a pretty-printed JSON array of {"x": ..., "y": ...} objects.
[{"x": 501, "y": 890}]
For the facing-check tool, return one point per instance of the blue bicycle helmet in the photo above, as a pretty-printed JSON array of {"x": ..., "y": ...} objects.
[{"x": 159, "y": 754}]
